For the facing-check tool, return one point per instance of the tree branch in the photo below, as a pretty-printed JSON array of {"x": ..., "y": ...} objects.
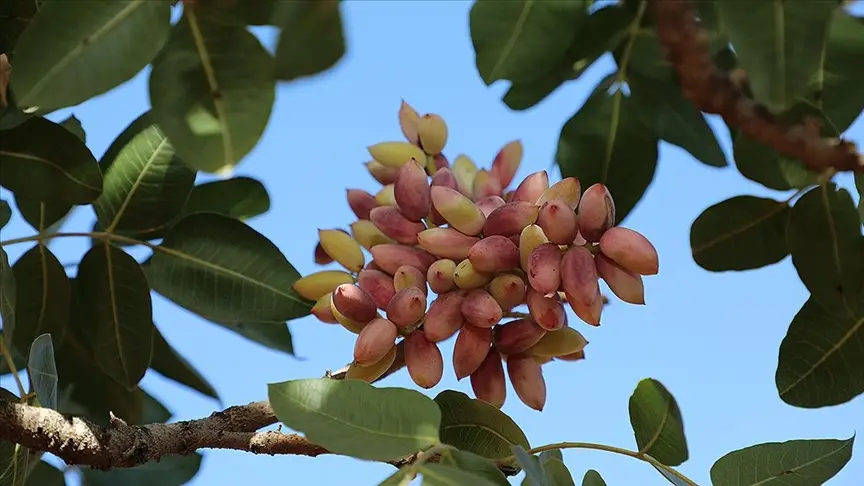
[{"x": 712, "y": 91}]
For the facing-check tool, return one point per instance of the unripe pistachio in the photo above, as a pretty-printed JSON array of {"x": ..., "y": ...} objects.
[
  {"x": 508, "y": 290},
  {"x": 563, "y": 342},
  {"x": 395, "y": 225},
  {"x": 342, "y": 248},
  {"x": 515, "y": 337},
  {"x": 377, "y": 284},
  {"x": 349, "y": 324},
  {"x": 406, "y": 307},
  {"x": 485, "y": 184},
  {"x": 631, "y": 250},
  {"x": 361, "y": 202},
  {"x": 409, "y": 120},
  {"x": 373, "y": 371},
  {"x": 408, "y": 276},
  {"x": 577, "y": 356},
  {"x": 458, "y": 210},
  {"x": 321, "y": 310},
  {"x": 368, "y": 235},
  {"x": 464, "y": 169},
  {"x": 494, "y": 254},
  {"x": 547, "y": 312},
  {"x": 381, "y": 173},
  {"x": 480, "y": 309},
  {"x": 472, "y": 346},
  {"x": 530, "y": 238},
  {"x": 443, "y": 177},
  {"x": 510, "y": 219},
  {"x": 531, "y": 188},
  {"x": 440, "y": 276},
  {"x": 488, "y": 382},
  {"x": 433, "y": 133},
  {"x": 467, "y": 277},
  {"x": 625, "y": 284},
  {"x": 559, "y": 222},
  {"x": 411, "y": 191},
  {"x": 527, "y": 380},
  {"x": 446, "y": 243},
  {"x": 596, "y": 212},
  {"x": 444, "y": 317},
  {"x": 567, "y": 190},
  {"x": 392, "y": 256},
  {"x": 374, "y": 342},
  {"x": 507, "y": 161},
  {"x": 317, "y": 284},
  {"x": 423, "y": 360},
  {"x": 396, "y": 154},
  {"x": 544, "y": 267},
  {"x": 387, "y": 195}
]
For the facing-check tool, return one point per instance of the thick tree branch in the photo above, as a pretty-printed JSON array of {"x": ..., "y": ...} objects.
[{"x": 712, "y": 91}]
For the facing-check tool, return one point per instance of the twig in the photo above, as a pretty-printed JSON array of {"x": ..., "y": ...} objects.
[{"x": 686, "y": 45}]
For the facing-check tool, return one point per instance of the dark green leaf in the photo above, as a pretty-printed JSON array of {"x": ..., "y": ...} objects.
[
  {"x": 792, "y": 463},
  {"x": 41, "y": 215},
  {"x": 740, "y": 233},
  {"x": 73, "y": 124},
  {"x": 8, "y": 296},
  {"x": 251, "y": 12},
  {"x": 62, "y": 171},
  {"x": 519, "y": 40},
  {"x": 779, "y": 45},
  {"x": 549, "y": 455},
  {"x": 170, "y": 364},
  {"x": 239, "y": 197},
  {"x": 45, "y": 474},
  {"x": 152, "y": 411},
  {"x": 43, "y": 297},
  {"x": 557, "y": 473},
  {"x": 821, "y": 360},
  {"x": 353, "y": 418},
  {"x": 14, "y": 458},
  {"x": 842, "y": 92},
  {"x": 657, "y": 423},
  {"x": 145, "y": 185},
  {"x": 42, "y": 371},
  {"x": 595, "y": 35},
  {"x": 169, "y": 471},
  {"x": 673, "y": 118},
  {"x": 15, "y": 15},
  {"x": 593, "y": 478},
  {"x": 606, "y": 142},
  {"x": 274, "y": 335},
  {"x": 5, "y": 213},
  {"x": 312, "y": 38},
  {"x": 73, "y": 51},
  {"x": 474, "y": 464},
  {"x": 212, "y": 90},
  {"x": 222, "y": 269},
  {"x": 476, "y": 426},
  {"x": 534, "y": 472},
  {"x": 115, "y": 299},
  {"x": 442, "y": 475},
  {"x": 859, "y": 183},
  {"x": 827, "y": 248}
]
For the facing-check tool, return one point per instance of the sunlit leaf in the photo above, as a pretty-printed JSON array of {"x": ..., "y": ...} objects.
[
  {"x": 475, "y": 426},
  {"x": 532, "y": 466},
  {"x": 443, "y": 475},
  {"x": 474, "y": 464},
  {"x": 42, "y": 371},
  {"x": 657, "y": 423}
]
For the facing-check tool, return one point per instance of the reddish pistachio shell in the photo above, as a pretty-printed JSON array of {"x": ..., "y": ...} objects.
[
  {"x": 374, "y": 341},
  {"x": 444, "y": 317},
  {"x": 390, "y": 256},
  {"x": 543, "y": 269},
  {"x": 488, "y": 382},
  {"x": 507, "y": 161},
  {"x": 446, "y": 243},
  {"x": 472, "y": 346},
  {"x": 579, "y": 280},
  {"x": 424, "y": 361},
  {"x": 444, "y": 178},
  {"x": 321, "y": 256},
  {"x": 547, "y": 312},
  {"x": 377, "y": 284},
  {"x": 321, "y": 310},
  {"x": 391, "y": 222},
  {"x": 558, "y": 221},
  {"x": 510, "y": 219},
  {"x": 354, "y": 303},
  {"x": 411, "y": 190},
  {"x": 408, "y": 276},
  {"x": 459, "y": 211},
  {"x": 440, "y": 276},
  {"x": 480, "y": 309},
  {"x": 494, "y": 254},
  {"x": 489, "y": 204},
  {"x": 517, "y": 336},
  {"x": 527, "y": 380},
  {"x": 438, "y": 161},
  {"x": 508, "y": 290},
  {"x": 596, "y": 212},
  {"x": 631, "y": 250},
  {"x": 485, "y": 184},
  {"x": 531, "y": 188},
  {"x": 361, "y": 202},
  {"x": 409, "y": 120},
  {"x": 406, "y": 307},
  {"x": 625, "y": 284}
]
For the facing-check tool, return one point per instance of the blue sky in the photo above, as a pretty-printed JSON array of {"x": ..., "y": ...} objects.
[{"x": 712, "y": 339}]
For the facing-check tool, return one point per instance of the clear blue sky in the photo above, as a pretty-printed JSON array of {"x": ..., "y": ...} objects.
[{"x": 712, "y": 339}]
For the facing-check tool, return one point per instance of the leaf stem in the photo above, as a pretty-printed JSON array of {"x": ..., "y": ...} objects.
[
  {"x": 7, "y": 356},
  {"x": 607, "y": 448},
  {"x": 519, "y": 315},
  {"x": 96, "y": 236}
]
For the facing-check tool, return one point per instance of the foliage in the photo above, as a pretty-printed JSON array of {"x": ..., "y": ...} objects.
[{"x": 87, "y": 338}]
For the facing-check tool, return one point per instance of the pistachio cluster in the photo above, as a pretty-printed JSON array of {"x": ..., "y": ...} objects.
[{"x": 485, "y": 251}]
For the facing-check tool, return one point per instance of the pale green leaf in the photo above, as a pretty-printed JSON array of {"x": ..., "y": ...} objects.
[
  {"x": 657, "y": 423},
  {"x": 475, "y": 426},
  {"x": 535, "y": 475},
  {"x": 442, "y": 475},
  {"x": 474, "y": 464},
  {"x": 42, "y": 371}
]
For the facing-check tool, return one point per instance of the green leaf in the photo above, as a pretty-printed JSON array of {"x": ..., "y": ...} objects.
[
  {"x": 549, "y": 455},
  {"x": 14, "y": 458},
  {"x": 41, "y": 215},
  {"x": 859, "y": 183},
  {"x": 441, "y": 475},
  {"x": 170, "y": 364},
  {"x": 274, "y": 335},
  {"x": 251, "y": 12},
  {"x": 518, "y": 40},
  {"x": 62, "y": 171},
  {"x": 152, "y": 411},
  {"x": 42, "y": 371},
  {"x": 476, "y": 426},
  {"x": 73, "y": 124},
  {"x": 740, "y": 233},
  {"x": 534, "y": 471},
  {"x": 73, "y": 51},
  {"x": 827, "y": 248},
  {"x": 401, "y": 477},
  {"x": 8, "y": 296},
  {"x": 311, "y": 39},
  {"x": 596, "y": 34},
  {"x": 792, "y": 463},
  {"x": 45, "y": 474},
  {"x": 239, "y": 197},
  {"x": 5, "y": 213},
  {"x": 222, "y": 269},
  {"x": 169, "y": 471},
  {"x": 115, "y": 299},
  {"x": 353, "y": 418},
  {"x": 212, "y": 90},
  {"x": 15, "y": 15},
  {"x": 673, "y": 118},
  {"x": 841, "y": 92},
  {"x": 474, "y": 464},
  {"x": 43, "y": 297},
  {"x": 593, "y": 478},
  {"x": 657, "y": 423},
  {"x": 779, "y": 45},
  {"x": 606, "y": 142},
  {"x": 821, "y": 360},
  {"x": 145, "y": 185},
  {"x": 557, "y": 473}
]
